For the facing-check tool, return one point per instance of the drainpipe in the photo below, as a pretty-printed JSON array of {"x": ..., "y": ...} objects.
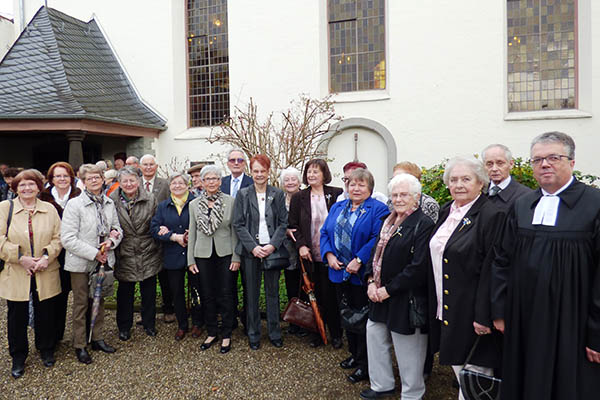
[{"x": 22, "y": 14}]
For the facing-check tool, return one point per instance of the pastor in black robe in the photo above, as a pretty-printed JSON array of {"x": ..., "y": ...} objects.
[{"x": 546, "y": 286}]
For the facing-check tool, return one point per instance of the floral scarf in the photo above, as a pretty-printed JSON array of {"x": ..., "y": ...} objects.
[
  {"x": 102, "y": 225},
  {"x": 209, "y": 219}
]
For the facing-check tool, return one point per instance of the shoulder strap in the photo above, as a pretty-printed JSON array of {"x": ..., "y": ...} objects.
[
  {"x": 471, "y": 352},
  {"x": 10, "y": 213}
]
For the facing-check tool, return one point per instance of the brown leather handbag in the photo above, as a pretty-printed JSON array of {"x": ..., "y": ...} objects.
[{"x": 300, "y": 312}]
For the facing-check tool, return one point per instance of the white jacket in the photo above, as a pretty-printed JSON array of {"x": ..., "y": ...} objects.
[{"x": 78, "y": 233}]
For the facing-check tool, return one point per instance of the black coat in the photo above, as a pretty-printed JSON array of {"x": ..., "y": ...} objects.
[
  {"x": 226, "y": 183},
  {"x": 466, "y": 268},
  {"x": 506, "y": 197},
  {"x": 403, "y": 268}
]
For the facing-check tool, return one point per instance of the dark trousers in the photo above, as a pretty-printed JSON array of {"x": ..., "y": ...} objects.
[
  {"x": 327, "y": 298},
  {"x": 216, "y": 284},
  {"x": 252, "y": 273},
  {"x": 195, "y": 306},
  {"x": 60, "y": 301},
  {"x": 167, "y": 295},
  {"x": 18, "y": 317},
  {"x": 292, "y": 283},
  {"x": 357, "y": 298},
  {"x": 239, "y": 313},
  {"x": 125, "y": 298},
  {"x": 176, "y": 284}
]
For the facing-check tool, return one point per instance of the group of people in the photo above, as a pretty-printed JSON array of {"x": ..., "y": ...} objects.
[{"x": 503, "y": 280}]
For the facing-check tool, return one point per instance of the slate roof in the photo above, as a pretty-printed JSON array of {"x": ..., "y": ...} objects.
[{"x": 61, "y": 67}]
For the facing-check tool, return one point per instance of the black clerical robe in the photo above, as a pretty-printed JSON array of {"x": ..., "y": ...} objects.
[{"x": 546, "y": 285}]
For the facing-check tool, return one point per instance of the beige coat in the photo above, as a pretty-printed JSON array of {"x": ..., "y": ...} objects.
[{"x": 14, "y": 281}]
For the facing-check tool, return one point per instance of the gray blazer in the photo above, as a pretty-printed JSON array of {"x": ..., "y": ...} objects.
[
  {"x": 225, "y": 239},
  {"x": 160, "y": 190},
  {"x": 246, "y": 217}
]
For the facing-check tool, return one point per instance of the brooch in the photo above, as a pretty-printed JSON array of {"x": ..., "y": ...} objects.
[
  {"x": 270, "y": 198},
  {"x": 328, "y": 197},
  {"x": 465, "y": 222}
]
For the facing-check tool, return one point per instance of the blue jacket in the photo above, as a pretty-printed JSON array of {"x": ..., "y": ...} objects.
[
  {"x": 174, "y": 256},
  {"x": 364, "y": 235}
]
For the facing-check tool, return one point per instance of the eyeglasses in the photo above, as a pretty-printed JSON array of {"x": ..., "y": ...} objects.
[
  {"x": 345, "y": 180},
  {"x": 236, "y": 160},
  {"x": 61, "y": 176},
  {"x": 93, "y": 178},
  {"x": 551, "y": 159},
  {"x": 211, "y": 179}
]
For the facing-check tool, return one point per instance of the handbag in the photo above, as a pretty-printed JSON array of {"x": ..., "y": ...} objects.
[
  {"x": 10, "y": 213},
  {"x": 300, "y": 312},
  {"x": 108, "y": 285},
  {"x": 478, "y": 386},
  {"x": 352, "y": 319},
  {"x": 417, "y": 310},
  {"x": 279, "y": 259}
]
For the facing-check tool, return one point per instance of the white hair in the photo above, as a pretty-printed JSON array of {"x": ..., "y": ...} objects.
[
  {"x": 211, "y": 169},
  {"x": 473, "y": 163},
  {"x": 414, "y": 186},
  {"x": 102, "y": 165},
  {"x": 147, "y": 156},
  {"x": 507, "y": 152},
  {"x": 238, "y": 150},
  {"x": 289, "y": 171}
]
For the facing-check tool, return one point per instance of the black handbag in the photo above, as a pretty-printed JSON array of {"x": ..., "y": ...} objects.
[
  {"x": 352, "y": 319},
  {"x": 10, "y": 213},
  {"x": 417, "y": 310},
  {"x": 478, "y": 386},
  {"x": 279, "y": 259}
]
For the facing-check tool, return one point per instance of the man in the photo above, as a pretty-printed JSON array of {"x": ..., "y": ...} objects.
[
  {"x": 133, "y": 162},
  {"x": 3, "y": 184},
  {"x": 348, "y": 168},
  {"x": 503, "y": 189},
  {"x": 160, "y": 189},
  {"x": 194, "y": 173},
  {"x": 546, "y": 282},
  {"x": 119, "y": 160},
  {"x": 236, "y": 162},
  {"x": 429, "y": 206}
]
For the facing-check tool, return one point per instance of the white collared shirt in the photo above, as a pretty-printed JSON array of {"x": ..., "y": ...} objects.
[
  {"x": 502, "y": 185},
  {"x": 546, "y": 210},
  {"x": 151, "y": 181}
]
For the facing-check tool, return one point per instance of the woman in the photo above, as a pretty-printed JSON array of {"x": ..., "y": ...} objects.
[
  {"x": 212, "y": 258},
  {"x": 347, "y": 237},
  {"x": 89, "y": 232},
  {"x": 30, "y": 250},
  {"x": 170, "y": 226},
  {"x": 395, "y": 274},
  {"x": 139, "y": 254},
  {"x": 61, "y": 189},
  {"x": 459, "y": 280},
  {"x": 308, "y": 211},
  {"x": 260, "y": 221}
]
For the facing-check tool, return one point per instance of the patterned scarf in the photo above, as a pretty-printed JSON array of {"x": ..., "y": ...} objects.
[
  {"x": 208, "y": 219},
  {"x": 180, "y": 202},
  {"x": 102, "y": 226},
  {"x": 127, "y": 202},
  {"x": 390, "y": 227},
  {"x": 343, "y": 234}
]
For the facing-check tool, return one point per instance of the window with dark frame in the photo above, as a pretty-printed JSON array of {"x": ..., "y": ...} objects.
[
  {"x": 542, "y": 55},
  {"x": 208, "y": 62},
  {"x": 356, "y": 45}
]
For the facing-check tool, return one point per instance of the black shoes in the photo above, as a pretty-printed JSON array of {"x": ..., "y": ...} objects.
[
  {"x": 336, "y": 343},
  {"x": 124, "y": 335},
  {"x": 225, "y": 349},
  {"x": 316, "y": 342},
  {"x": 150, "y": 332},
  {"x": 102, "y": 346},
  {"x": 254, "y": 345},
  {"x": 277, "y": 343},
  {"x": 83, "y": 356},
  {"x": 358, "y": 375},
  {"x": 206, "y": 345},
  {"x": 371, "y": 394},
  {"x": 48, "y": 359},
  {"x": 18, "y": 369},
  {"x": 349, "y": 363}
]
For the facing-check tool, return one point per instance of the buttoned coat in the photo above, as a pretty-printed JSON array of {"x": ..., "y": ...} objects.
[
  {"x": 246, "y": 218},
  {"x": 139, "y": 255},
  {"x": 46, "y": 195},
  {"x": 225, "y": 239},
  {"x": 14, "y": 281},
  {"x": 466, "y": 280},
  {"x": 506, "y": 197},
  {"x": 78, "y": 233}
]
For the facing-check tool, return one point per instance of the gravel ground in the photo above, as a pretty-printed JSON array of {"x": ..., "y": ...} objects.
[{"x": 161, "y": 368}]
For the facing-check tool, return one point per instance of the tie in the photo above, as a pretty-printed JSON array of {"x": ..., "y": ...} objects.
[
  {"x": 235, "y": 187},
  {"x": 148, "y": 186},
  {"x": 494, "y": 191}
]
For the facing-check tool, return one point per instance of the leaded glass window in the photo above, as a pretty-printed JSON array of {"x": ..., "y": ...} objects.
[
  {"x": 208, "y": 62},
  {"x": 356, "y": 45},
  {"x": 542, "y": 57}
]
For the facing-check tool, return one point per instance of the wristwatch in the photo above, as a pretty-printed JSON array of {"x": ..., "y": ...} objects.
[
  {"x": 371, "y": 281},
  {"x": 358, "y": 260}
]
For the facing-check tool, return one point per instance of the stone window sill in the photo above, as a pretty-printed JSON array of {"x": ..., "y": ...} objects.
[
  {"x": 551, "y": 114},
  {"x": 355, "y": 97}
]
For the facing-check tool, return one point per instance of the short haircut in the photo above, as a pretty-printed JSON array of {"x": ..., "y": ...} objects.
[
  {"x": 507, "y": 153},
  {"x": 409, "y": 168},
  {"x": 211, "y": 169},
  {"x": 11, "y": 172},
  {"x": 473, "y": 163},
  {"x": 133, "y": 159},
  {"x": 90, "y": 169},
  {"x": 147, "y": 156},
  {"x": 102, "y": 164},
  {"x": 238, "y": 150},
  {"x": 361, "y": 174},
  {"x": 289, "y": 171},
  {"x": 353, "y": 165},
  {"x": 262, "y": 160},
  {"x": 27, "y": 175},
  {"x": 556, "y": 137},
  {"x": 318, "y": 162},
  {"x": 60, "y": 164},
  {"x": 182, "y": 175},
  {"x": 111, "y": 174},
  {"x": 414, "y": 186},
  {"x": 128, "y": 170}
]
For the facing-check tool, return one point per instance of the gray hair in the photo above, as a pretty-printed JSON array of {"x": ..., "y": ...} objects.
[
  {"x": 556, "y": 137},
  {"x": 507, "y": 153},
  {"x": 414, "y": 186},
  {"x": 361, "y": 174},
  {"x": 473, "y": 163},
  {"x": 111, "y": 174},
  {"x": 128, "y": 170},
  {"x": 90, "y": 169},
  {"x": 102, "y": 164},
  {"x": 182, "y": 175},
  {"x": 236, "y": 149},
  {"x": 133, "y": 159},
  {"x": 290, "y": 171},
  {"x": 211, "y": 169},
  {"x": 147, "y": 156}
]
